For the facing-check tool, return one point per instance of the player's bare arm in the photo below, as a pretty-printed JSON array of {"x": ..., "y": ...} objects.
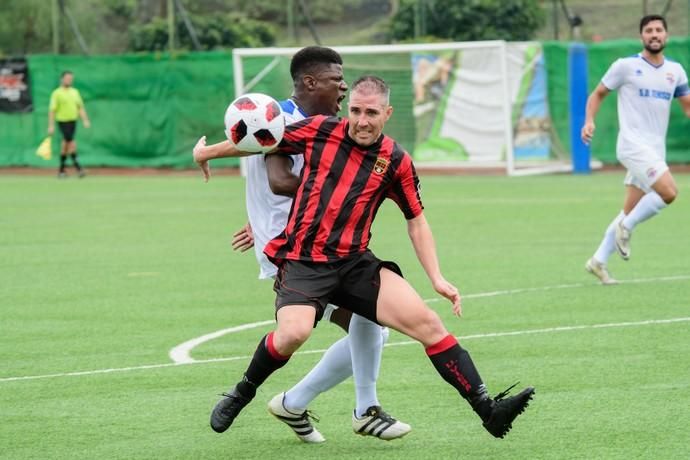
[
  {"x": 84, "y": 117},
  {"x": 685, "y": 104},
  {"x": 203, "y": 153},
  {"x": 593, "y": 104},
  {"x": 423, "y": 242},
  {"x": 280, "y": 177},
  {"x": 51, "y": 122}
]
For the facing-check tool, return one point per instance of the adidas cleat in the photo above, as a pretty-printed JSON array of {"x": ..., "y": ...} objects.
[
  {"x": 227, "y": 409},
  {"x": 376, "y": 422},
  {"x": 504, "y": 411},
  {"x": 299, "y": 423}
]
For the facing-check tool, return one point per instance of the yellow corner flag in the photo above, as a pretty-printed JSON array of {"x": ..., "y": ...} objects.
[{"x": 45, "y": 150}]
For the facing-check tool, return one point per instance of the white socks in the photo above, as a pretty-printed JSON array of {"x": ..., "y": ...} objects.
[
  {"x": 365, "y": 343},
  {"x": 334, "y": 367},
  {"x": 608, "y": 244},
  {"x": 649, "y": 206}
]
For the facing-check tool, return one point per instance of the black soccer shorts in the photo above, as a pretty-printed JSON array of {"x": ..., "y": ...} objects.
[
  {"x": 351, "y": 283},
  {"x": 68, "y": 129}
]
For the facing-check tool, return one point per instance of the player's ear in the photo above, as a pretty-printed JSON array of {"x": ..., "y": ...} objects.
[
  {"x": 309, "y": 82},
  {"x": 389, "y": 112}
]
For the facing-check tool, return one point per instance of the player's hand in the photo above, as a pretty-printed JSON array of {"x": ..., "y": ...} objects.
[
  {"x": 87, "y": 123},
  {"x": 587, "y": 132},
  {"x": 51, "y": 130},
  {"x": 243, "y": 239},
  {"x": 197, "y": 154},
  {"x": 451, "y": 293}
]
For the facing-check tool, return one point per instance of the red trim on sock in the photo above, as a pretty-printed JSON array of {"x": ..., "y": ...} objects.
[
  {"x": 441, "y": 346},
  {"x": 272, "y": 349}
]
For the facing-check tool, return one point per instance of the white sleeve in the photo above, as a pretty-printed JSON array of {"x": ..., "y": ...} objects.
[{"x": 615, "y": 76}]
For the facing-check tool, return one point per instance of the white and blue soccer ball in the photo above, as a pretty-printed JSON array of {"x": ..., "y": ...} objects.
[{"x": 254, "y": 123}]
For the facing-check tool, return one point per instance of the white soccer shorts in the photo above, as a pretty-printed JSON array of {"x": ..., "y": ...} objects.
[{"x": 644, "y": 169}]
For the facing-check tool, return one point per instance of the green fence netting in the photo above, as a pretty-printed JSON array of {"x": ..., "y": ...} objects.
[
  {"x": 146, "y": 110},
  {"x": 600, "y": 57},
  {"x": 604, "y": 145}
]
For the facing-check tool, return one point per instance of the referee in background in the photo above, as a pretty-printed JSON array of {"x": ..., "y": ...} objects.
[{"x": 65, "y": 105}]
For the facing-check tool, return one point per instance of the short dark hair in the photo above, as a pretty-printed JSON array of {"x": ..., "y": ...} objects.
[
  {"x": 374, "y": 83},
  {"x": 308, "y": 59},
  {"x": 652, "y": 17},
  {"x": 66, "y": 72}
]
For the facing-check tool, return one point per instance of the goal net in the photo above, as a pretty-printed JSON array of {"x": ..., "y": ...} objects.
[{"x": 457, "y": 106}]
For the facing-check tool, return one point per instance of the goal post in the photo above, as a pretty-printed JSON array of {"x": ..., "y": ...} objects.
[{"x": 457, "y": 106}]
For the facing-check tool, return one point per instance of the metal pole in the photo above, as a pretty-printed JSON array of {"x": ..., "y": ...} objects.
[
  {"x": 291, "y": 20},
  {"x": 188, "y": 24},
  {"x": 417, "y": 19},
  {"x": 54, "y": 12},
  {"x": 171, "y": 26},
  {"x": 310, "y": 23},
  {"x": 75, "y": 28}
]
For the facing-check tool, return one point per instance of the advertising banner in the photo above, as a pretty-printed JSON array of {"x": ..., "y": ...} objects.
[{"x": 15, "y": 90}]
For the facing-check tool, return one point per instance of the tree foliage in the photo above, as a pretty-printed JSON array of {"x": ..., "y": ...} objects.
[
  {"x": 228, "y": 30},
  {"x": 24, "y": 26},
  {"x": 321, "y": 11},
  {"x": 468, "y": 20}
]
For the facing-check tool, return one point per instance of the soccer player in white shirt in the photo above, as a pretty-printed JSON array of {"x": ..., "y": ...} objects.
[
  {"x": 271, "y": 181},
  {"x": 647, "y": 83}
]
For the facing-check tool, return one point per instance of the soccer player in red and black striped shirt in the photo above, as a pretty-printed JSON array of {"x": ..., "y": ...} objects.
[
  {"x": 344, "y": 183},
  {"x": 350, "y": 168}
]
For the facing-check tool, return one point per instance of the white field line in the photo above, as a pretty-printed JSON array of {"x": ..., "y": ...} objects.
[
  {"x": 181, "y": 353},
  {"x": 565, "y": 286},
  {"x": 468, "y": 337}
]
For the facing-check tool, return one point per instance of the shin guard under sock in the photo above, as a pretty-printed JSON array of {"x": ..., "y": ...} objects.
[
  {"x": 455, "y": 365},
  {"x": 265, "y": 361}
]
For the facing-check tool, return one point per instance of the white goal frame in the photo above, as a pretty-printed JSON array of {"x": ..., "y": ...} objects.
[{"x": 509, "y": 165}]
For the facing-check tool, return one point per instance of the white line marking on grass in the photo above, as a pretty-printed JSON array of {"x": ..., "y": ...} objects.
[
  {"x": 559, "y": 329},
  {"x": 180, "y": 354},
  {"x": 563, "y": 286},
  {"x": 468, "y": 337}
]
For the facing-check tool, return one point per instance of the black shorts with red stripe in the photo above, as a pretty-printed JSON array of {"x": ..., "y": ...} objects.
[{"x": 351, "y": 283}]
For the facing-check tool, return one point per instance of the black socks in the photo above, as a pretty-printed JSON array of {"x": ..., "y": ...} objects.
[
  {"x": 265, "y": 361},
  {"x": 455, "y": 365}
]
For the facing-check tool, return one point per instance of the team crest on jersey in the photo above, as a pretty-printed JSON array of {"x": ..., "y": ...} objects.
[
  {"x": 380, "y": 166},
  {"x": 638, "y": 73},
  {"x": 651, "y": 173},
  {"x": 670, "y": 78}
]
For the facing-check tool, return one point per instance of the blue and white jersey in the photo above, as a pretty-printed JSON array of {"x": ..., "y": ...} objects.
[
  {"x": 645, "y": 93},
  {"x": 268, "y": 212}
]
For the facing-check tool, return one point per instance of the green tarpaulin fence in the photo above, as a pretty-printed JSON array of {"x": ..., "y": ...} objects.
[
  {"x": 148, "y": 110},
  {"x": 600, "y": 57}
]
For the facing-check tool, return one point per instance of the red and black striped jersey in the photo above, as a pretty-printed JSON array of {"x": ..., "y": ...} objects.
[{"x": 342, "y": 187}]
